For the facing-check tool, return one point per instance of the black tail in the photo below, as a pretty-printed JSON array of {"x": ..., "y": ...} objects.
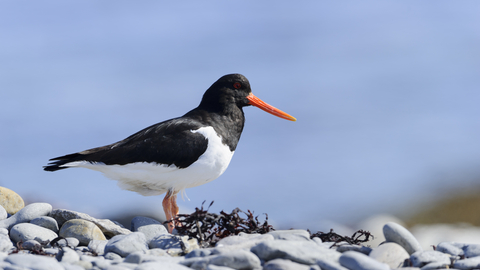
[{"x": 56, "y": 163}]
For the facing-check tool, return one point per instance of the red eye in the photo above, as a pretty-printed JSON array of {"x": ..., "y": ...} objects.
[{"x": 237, "y": 85}]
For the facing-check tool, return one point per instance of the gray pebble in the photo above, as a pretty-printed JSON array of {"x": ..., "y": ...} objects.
[
  {"x": 126, "y": 244},
  {"x": 153, "y": 230},
  {"x": 471, "y": 250},
  {"x": 6, "y": 244},
  {"x": 330, "y": 265},
  {"x": 358, "y": 261},
  {"x": 140, "y": 221},
  {"x": 69, "y": 266},
  {"x": 32, "y": 245},
  {"x": 68, "y": 242},
  {"x": 240, "y": 259},
  {"x": 199, "y": 253},
  {"x": 357, "y": 248},
  {"x": 450, "y": 248},
  {"x": 46, "y": 222},
  {"x": 161, "y": 265},
  {"x": 282, "y": 264},
  {"x": 27, "y": 231},
  {"x": 83, "y": 230},
  {"x": 422, "y": 258},
  {"x": 291, "y": 235},
  {"x": 112, "y": 256},
  {"x": 34, "y": 262},
  {"x": 27, "y": 214},
  {"x": 244, "y": 241},
  {"x": 470, "y": 263},
  {"x": 396, "y": 233},
  {"x": 303, "y": 252},
  {"x": 3, "y": 213},
  {"x": 390, "y": 253},
  {"x": 97, "y": 246},
  {"x": 175, "y": 244}
]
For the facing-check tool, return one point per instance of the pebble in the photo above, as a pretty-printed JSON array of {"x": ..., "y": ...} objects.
[
  {"x": 123, "y": 245},
  {"x": 424, "y": 258},
  {"x": 27, "y": 231},
  {"x": 46, "y": 222},
  {"x": 391, "y": 254},
  {"x": 290, "y": 235},
  {"x": 149, "y": 246},
  {"x": 396, "y": 233},
  {"x": 359, "y": 261},
  {"x": 83, "y": 230},
  {"x": 298, "y": 251},
  {"x": 3, "y": 213},
  {"x": 10, "y": 200},
  {"x": 281, "y": 264},
  {"x": 470, "y": 263},
  {"x": 26, "y": 214}
]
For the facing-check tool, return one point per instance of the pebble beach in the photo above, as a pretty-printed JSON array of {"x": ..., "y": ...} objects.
[{"x": 36, "y": 236}]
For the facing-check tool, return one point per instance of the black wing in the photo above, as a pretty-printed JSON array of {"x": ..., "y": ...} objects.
[{"x": 169, "y": 142}]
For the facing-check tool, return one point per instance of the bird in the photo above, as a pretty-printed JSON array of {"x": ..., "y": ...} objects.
[{"x": 179, "y": 153}]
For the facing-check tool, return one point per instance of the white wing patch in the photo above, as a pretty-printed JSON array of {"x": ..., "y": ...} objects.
[{"x": 152, "y": 178}]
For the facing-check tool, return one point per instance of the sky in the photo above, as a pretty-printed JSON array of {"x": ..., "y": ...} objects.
[{"x": 386, "y": 95}]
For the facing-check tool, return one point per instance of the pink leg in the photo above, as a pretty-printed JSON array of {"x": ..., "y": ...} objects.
[{"x": 171, "y": 209}]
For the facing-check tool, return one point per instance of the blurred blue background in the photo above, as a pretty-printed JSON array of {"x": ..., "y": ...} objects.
[{"x": 386, "y": 94}]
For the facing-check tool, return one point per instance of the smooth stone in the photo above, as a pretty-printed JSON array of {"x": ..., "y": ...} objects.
[
  {"x": 216, "y": 267},
  {"x": 113, "y": 256},
  {"x": 67, "y": 255},
  {"x": 282, "y": 264},
  {"x": 3, "y": 213},
  {"x": 240, "y": 259},
  {"x": 422, "y": 258},
  {"x": 292, "y": 235},
  {"x": 391, "y": 254},
  {"x": 357, "y": 248},
  {"x": 10, "y": 200},
  {"x": 6, "y": 244},
  {"x": 435, "y": 265},
  {"x": 51, "y": 251},
  {"x": 140, "y": 221},
  {"x": 70, "y": 242},
  {"x": 359, "y": 261},
  {"x": 303, "y": 252},
  {"x": 471, "y": 250},
  {"x": 161, "y": 265},
  {"x": 32, "y": 245},
  {"x": 27, "y": 214},
  {"x": 151, "y": 231},
  {"x": 34, "y": 262},
  {"x": 244, "y": 240},
  {"x": 396, "y": 233},
  {"x": 470, "y": 263},
  {"x": 330, "y": 265},
  {"x": 27, "y": 231},
  {"x": 126, "y": 244},
  {"x": 46, "y": 222},
  {"x": 97, "y": 246},
  {"x": 83, "y": 230},
  {"x": 450, "y": 248},
  {"x": 108, "y": 227},
  {"x": 4, "y": 231}
]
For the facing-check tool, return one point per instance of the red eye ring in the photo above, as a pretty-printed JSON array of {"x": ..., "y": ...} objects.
[{"x": 237, "y": 85}]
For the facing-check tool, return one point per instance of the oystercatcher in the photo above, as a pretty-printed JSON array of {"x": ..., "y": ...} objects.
[{"x": 179, "y": 153}]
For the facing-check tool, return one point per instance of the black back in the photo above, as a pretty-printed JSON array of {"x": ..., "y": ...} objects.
[{"x": 171, "y": 142}]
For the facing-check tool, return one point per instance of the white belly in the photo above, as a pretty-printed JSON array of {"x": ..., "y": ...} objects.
[{"x": 151, "y": 179}]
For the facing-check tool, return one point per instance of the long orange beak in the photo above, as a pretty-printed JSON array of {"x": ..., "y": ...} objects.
[{"x": 269, "y": 108}]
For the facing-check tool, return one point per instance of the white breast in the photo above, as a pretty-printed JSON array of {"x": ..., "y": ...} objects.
[{"x": 151, "y": 179}]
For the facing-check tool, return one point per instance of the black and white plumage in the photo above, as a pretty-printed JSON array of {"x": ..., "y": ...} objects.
[{"x": 179, "y": 153}]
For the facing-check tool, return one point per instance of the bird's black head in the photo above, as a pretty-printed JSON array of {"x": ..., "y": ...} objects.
[{"x": 229, "y": 90}]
